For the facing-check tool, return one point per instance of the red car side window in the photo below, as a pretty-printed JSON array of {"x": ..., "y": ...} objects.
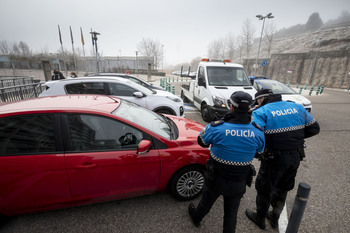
[
  {"x": 27, "y": 134},
  {"x": 91, "y": 133}
]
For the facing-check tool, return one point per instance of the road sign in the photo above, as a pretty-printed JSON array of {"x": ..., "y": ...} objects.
[{"x": 264, "y": 63}]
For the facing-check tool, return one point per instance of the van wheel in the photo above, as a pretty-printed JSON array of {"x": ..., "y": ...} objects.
[
  {"x": 183, "y": 97},
  {"x": 187, "y": 183},
  {"x": 205, "y": 113}
]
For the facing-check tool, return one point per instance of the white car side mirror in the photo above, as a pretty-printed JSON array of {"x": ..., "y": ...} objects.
[{"x": 138, "y": 94}]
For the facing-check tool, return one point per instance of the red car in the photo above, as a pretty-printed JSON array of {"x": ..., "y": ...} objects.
[{"x": 63, "y": 151}]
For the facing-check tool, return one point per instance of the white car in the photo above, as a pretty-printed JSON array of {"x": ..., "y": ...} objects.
[
  {"x": 288, "y": 94},
  {"x": 130, "y": 77},
  {"x": 157, "y": 101}
]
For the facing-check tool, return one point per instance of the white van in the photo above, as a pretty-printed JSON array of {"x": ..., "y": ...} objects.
[{"x": 213, "y": 85}]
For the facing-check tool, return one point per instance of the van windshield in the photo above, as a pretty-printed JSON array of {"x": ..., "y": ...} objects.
[{"x": 227, "y": 76}]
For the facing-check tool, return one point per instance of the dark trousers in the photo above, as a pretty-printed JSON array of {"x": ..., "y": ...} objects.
[
  {"x": 231, "y": 204},
  {"x": 275, "y": 178}
]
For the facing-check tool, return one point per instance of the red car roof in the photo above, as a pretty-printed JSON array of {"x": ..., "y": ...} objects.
[{"x": 85, "y": 102}]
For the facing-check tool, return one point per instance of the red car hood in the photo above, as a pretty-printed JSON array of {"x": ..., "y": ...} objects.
[{"x": 188, "y": 130}]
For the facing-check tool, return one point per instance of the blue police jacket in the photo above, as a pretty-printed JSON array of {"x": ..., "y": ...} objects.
[
  {"x": 233, "y": 144},
  {"x": 284, "y": 123}
]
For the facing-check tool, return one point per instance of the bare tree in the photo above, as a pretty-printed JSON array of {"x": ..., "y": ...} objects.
[
  {"x": 151, "y": 49},
  {"x": 194, "y": 63},
  {"x": 4, "y": 48},
  {"x": 248, "y": 32},
  {"x": 24, "y": 49},
  {"x": 216, "y": 49},
  {"x": 270, "y": 35},
  {"x": 230, "y": 41},
  {"x": 44, "y": 50},
  {"x": 240, "y": 48},
  {"x": 15, "y": 50}
]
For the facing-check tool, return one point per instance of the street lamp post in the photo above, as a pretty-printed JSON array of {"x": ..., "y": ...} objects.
[
  {"x": 260, "y": 17},
  {"x": 94, "y": 37},
  {"x": 162, "y": 57},
  {"x": 137, "y": 65}
]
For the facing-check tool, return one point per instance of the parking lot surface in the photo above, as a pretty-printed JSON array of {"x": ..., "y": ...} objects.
[{"x": 325, "y": 169}]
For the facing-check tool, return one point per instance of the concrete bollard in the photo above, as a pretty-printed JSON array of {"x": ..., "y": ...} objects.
[
  {"x": 298, "y": 208},
  {"x": 311, "y": 89},
  {"x": 168, "y": 87},
  {"x": 321, "y": 91},
  {"x": 318, "y": 90}
]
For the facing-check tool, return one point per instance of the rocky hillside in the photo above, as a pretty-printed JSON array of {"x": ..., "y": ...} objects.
[
  {"x": 333, "y": 35},
  {"x": 329, "y": 39}
]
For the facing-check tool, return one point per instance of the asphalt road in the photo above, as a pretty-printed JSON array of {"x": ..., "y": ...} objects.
[{"x": 325, "y": 169}]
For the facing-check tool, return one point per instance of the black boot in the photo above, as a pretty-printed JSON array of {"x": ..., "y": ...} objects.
[
  {"x": 273, "y": 218},
  {"x": 191, "y": 209},
  {"x": 259, "y": 221}
]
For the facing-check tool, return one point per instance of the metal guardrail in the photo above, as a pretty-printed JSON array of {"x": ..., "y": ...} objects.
[
  {"x": 19, "y": 88},
  {"x": 8, "y": 81}
]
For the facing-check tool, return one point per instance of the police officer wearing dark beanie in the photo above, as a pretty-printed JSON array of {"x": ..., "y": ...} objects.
[
  {"x": 286, "y": 125},
  {"x": 233, "y": 143}
]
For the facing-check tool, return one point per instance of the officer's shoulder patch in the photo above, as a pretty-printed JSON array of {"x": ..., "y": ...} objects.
[
  {"x": 257, "y": 126},
  {"x": 216, "y": 123}
]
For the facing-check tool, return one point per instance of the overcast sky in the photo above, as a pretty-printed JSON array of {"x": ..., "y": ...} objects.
[{"x": 184, "y": 27}]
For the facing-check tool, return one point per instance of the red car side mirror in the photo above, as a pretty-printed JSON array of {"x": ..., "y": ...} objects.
[{"x": 143, "y": 147}]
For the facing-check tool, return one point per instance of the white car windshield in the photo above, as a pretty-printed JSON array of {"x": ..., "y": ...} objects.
[
  {"x": 227, "y": 76},
  {"x": 141, "y": 88},
  {"x": 277, "y": 87},
  {"x": 144, "y": 117}
]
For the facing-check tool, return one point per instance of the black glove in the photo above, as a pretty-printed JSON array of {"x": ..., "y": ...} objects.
[
  {"x": 258, "y": 155},
  {"x": 252, "y": 173}
]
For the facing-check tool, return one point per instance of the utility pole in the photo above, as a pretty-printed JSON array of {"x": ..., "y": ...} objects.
[{"x": 94, "y": 38}]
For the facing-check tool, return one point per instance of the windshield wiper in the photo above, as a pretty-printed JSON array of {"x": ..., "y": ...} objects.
[{"x": 170, "y": 125}]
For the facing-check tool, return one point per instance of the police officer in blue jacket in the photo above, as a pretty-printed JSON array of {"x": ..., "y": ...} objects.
[
  {"x": 233, "y": 143},
  {"x": 286, "y": 125}
]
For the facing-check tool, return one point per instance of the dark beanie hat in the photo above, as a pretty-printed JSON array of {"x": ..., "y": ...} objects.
[
  {"x": 241, "y": 100},
  {"x": 262, "y": 93}
]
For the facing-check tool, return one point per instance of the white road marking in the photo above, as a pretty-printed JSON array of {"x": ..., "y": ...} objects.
[
  {"x": 283, "y": 221},
  {"x": 190, "y": 107}
]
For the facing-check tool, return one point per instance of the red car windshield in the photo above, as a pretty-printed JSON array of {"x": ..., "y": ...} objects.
[{"x": 145, "y": 118}]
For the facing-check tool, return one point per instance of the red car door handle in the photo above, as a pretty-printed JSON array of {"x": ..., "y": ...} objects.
[{"x": 86, "y": 165}]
